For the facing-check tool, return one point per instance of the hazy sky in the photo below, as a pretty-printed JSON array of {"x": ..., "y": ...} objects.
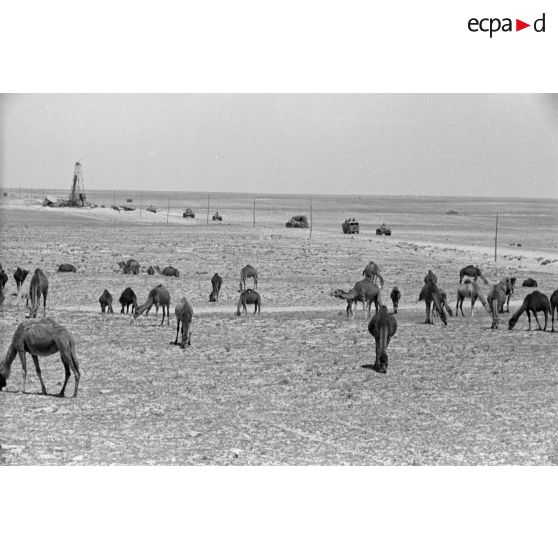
[{"x": 499, "y": 145}]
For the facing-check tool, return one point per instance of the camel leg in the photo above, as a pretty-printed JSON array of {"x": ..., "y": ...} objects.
[
  {"x": 545, "y": 319},
  {"x": 168, "y": 315},
  {"x": 177, "y": 330},
  {"x": 24, "y": 366},
  {"x": 537, "y": 320},
  {"x": 428, "y": 319},
  {"x": 70, "y": 363},
  {"x": 38, "y": 369},
  {"x": 67, "y": 375},
  {"x": 44, "y": 304}
]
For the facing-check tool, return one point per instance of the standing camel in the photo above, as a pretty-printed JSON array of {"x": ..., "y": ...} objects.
[
  {"x": 472, "y": 271},
  {"x": 246, "y": 272},
  {"x": 3, "y": 277},
  {"x": 19, "y": 276},
  {"x": 496, "y": 299},
  {"x": 158, "y": 296},
  {"x": 395, "y": 296},
  {"x": 372, "y": 272},
  {"x": 184, "y": 314},
  {"x": 105, "y": 300},
  {"x": 554, "y": 305},
  {"x": 533, "y": 302},
  {"x": 249, "y": 296},
  {"x": 41, "y": 337},
  {"x": 472, "y": 291},
  {"x": 170, "y": 271},
  {"x": 216, "y": 282},
  {"x": 382, "y": 327},
  {"x": 127, "y": 298},
  {"x": 443, "y": 298},
  {"x": 38, "y": 287},
  {"x": 430, "y": 277},
  {"x": 431, "y": 296},
  {"x": 364, "y": 291},
  {"x": 150, "y": 270}
]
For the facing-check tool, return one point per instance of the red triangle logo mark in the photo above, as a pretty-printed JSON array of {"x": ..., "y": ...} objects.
[{"x": 519, "y": 25}]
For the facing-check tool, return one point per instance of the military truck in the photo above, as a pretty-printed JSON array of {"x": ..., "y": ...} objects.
[
  {"x": 297, "y": 222},
  {"x": 350, "y": 226},
  {"x": 384, "y": 229},
  {"x": 188, "y": 213}
]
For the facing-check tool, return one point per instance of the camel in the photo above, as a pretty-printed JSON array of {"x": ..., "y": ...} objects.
[
  {"x": 19, "y": 276},
  {"x": 364, "y": 291},
  {"x": 472, "y": 271},
  {"x": 216, "y": 282},
  {"x": 150, "y": 270},
  {"x": 184, "y": 314},
  {"x": 129, "y": 267},
  {"x": 509, "y": 287},
  {"x": 3, "y": 277},
  {"x": 246, "y": 272},
  {"x": 38, "y": 287},
  {"x": 469, "y": 290},
  {"x": 1, "y": 297},
  {"x": 170, "y": 271},
  {"x": 249, "y": 296},
  {"x": 105, "y": 300},
  {"x": 529, "y": 283},
  {"x": 431, "y": 295},
  {"x": 443, "y": 298},
  {"x": 66, "y": 268},
  {"x": 430, "y": 277},
  {"x": 496, "y": 299},
  {"x": 382, "y": 327},
  {"x": 158, "y": 296},
  {"x": 41, "y": 337},
  {"x": 533, "y": 302},
  {"x": 554, "y": 306},
  {"x": 372, "y": 272},
  {"x": 128, "y": 297},
  {"x": 395, "y": 296}
]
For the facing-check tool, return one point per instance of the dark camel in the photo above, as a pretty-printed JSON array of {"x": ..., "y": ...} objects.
[
  {"x": 130, "y": 267},
  {"x": 496, "y": 299},
  {"x": 430, "y": 277},
  {"x": 395, "y": 296},
  {"x": 431, "y": 296},
  {"x": 472, "y": 291},
  {"x": 372, "y": 272},
  {"x": 382, "y": 327},
  {"x": 19, "y": 276},
  {"x": 246, "y": 272},
  {"x": 529, "y": 283},
  {"x": 533, "y": 302},
  {"x": 3, "y": 277},
  {"x": 158, "y": 296},
  {"x": 554, "y": 306},
  {"x": 216, "y": 282},
  {"x": 41, "y": 337},
  {"x": 66, "y": 267},
  {"x": 127, "y": 298},
  {"x": 364, "y": 291},
  {"x": 150, "y": 270},
  {"x": 184, "y": 314},
  {"x": 37, "y": 288},
  {"x": 249, "y": 296},
  {"x": 472, "y": 271},
  {"x": 170, "y": 271},
  {"x": 105, "y": 300}
]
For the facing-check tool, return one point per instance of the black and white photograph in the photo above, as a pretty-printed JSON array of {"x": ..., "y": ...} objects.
[{"x": 278, "y": 280}]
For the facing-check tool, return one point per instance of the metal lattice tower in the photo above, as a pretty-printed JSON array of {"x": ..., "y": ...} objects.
[{"x": 77, "y": 195}]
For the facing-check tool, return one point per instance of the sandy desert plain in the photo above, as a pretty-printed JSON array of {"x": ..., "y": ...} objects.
[{"x": 288, "y": 386}]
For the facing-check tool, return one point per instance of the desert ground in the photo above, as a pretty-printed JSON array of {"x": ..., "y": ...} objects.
[{"x": 291, "y": 386}]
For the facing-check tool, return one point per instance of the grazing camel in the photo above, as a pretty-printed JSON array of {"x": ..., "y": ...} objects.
[
  {"x": 216, "y": 282},
  {"x": 382, "y": 327},
  {"x": 249, "y": 296},
  {"x": 472, "y": 291},
  {"x": 41, "y": 337},
  {"x": 554, "y": 306},
  {"x": 170, "y": 271},
  {"x": 364, "y": 291},
  {"x": 130, "y": 267},
  {"x": 105, "y": 300},
  {"x": 184, "y": 314},
  {"x": 158, "y": 296},
  {"x": 128, "y": 297},
  {"x": 150, "y": 270},
  {"x": 19, "y": 276},
  {"x": 430, "y": 277},
  {"x": 395, "y": 296},
  {"x": 533, "y": 302},
  {"x": 38, "y": 287},
  {"x": 246, "y": 272},
  {"x": 66, "y": 267},
  {"x": 431, "y": 296},
  {"x": 372, "y": 272},
  {"x": 496, "y": 299},
  {"x": 3, "y": 277},
  {"x": 529, "y": 283},
  {"x": 472, "y": 271}
]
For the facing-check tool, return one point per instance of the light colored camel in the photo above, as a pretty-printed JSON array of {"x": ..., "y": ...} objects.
[
  {"x": 472, "y": 291},
  {"x": 382, "y": 327},
  {"x": 184, "y": 313},
  {"x": 246, "y": 272},
  {"x": 372, "y": 272},
  {"x": 249, "y": 296},
  {"x": 363, "y": 291},
  {"x": 158, "y": 296},
  {"x": 496, "y": 299},
  {"x": 41, "y": 337},
  {"x": 37, "y": 288}
]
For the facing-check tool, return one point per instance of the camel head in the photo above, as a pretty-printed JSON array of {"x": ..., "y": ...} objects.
[
  {"x": 383, "y": 364},
  {"x": 339, "y": 293},
  {"x": 4, "y": 373},
  {"x": 512, "y": 322}
]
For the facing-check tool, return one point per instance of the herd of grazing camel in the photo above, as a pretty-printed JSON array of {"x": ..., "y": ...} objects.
[{"x": 44, "y": 337}]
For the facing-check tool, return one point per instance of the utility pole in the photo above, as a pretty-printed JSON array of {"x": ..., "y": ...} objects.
[
  {"x": 207, "y": 219},
  {"x": 254, "y": 213},
  {"x": 496, "y": 240}
]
